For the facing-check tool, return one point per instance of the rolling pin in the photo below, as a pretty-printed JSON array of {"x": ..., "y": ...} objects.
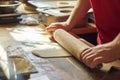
[{"x": 70, "y": 43}]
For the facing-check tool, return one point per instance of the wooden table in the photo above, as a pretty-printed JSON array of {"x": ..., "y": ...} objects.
[{"x": 65, "y": 68}]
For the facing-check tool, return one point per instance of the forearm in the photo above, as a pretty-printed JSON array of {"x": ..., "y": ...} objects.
[
  {"x": 116, "y": 43},
  {"x": 115, "y": 46},
  {"x": 78, "y": 13}
]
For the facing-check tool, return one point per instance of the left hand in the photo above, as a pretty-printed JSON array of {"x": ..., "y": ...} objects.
[
  {"x": 103, "y": 53},
  {"x": 57, "y": 25}
]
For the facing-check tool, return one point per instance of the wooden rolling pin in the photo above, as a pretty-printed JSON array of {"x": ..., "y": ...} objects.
[{"x": 70, "y": 43}]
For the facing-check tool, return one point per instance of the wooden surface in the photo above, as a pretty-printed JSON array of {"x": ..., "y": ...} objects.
[
  {"x": 52, "y": 68},
  {"x": 67, "y": 68}
]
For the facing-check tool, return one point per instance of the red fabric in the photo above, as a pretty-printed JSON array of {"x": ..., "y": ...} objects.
[{"x": 107, "y": 17}]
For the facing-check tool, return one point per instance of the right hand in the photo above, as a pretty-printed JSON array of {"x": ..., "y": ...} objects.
[{"x": 96, "y": 55}]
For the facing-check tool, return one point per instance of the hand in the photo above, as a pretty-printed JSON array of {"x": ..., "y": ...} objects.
[
  {"x": 52, "y": 27},
  {"x": 99, "y": 54}
]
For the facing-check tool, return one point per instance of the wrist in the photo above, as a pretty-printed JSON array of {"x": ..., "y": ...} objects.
[
  {"x": 68, "y": 26},
  {"x": 114, "y": 48}
]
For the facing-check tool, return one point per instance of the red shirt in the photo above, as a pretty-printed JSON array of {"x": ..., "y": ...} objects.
[{"x": 107, "y": 17}]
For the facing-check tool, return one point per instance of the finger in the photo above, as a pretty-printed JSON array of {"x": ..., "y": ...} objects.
[
  {"x": 85, "y": 52},
  {"x": 96, "y": 61},
  {"x": 52, "y": 38},
  {"x": 50, "y": 29},
  {"x": 88, "y": 59},
  {"x": 50, "y": 34}
]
